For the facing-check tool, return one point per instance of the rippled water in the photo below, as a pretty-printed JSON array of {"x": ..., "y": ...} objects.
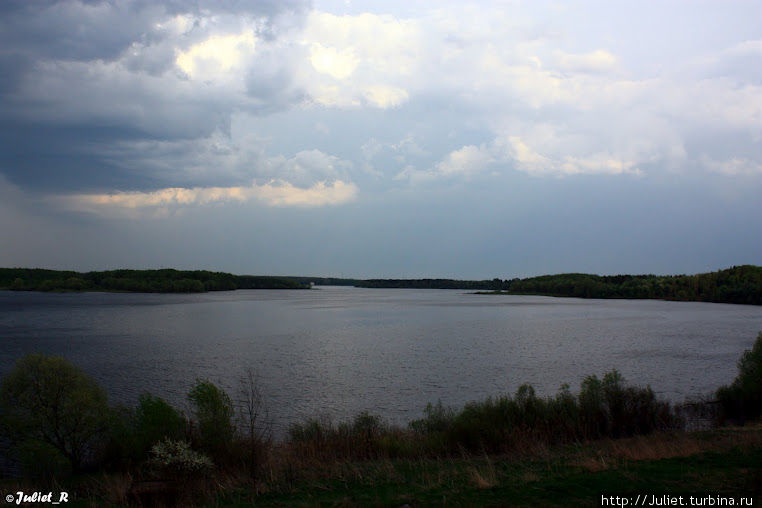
[{"x": 338, "y": 351}]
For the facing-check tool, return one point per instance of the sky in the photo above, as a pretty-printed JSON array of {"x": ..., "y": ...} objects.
[{"x": 381, "y": 139}]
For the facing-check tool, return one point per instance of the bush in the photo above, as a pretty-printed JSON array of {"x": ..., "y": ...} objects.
[
  {"x": 603, "y": 408},
  {"x": 176, "y": 460},
  {"x": 46, "y": 398},
  {"x": 742, "y": 400},
  {"x": 135, "y": 431},
  {"x": 365, "y": 437}
]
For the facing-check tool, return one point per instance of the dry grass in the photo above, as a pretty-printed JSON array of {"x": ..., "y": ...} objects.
[
  {"x": 483, "y": 477},
  {"x": 592, "y": 463},
  {"x": 529, "y": 477},
  {"x": 664, "y": 445},
  {"x": 113, "y": 488}
]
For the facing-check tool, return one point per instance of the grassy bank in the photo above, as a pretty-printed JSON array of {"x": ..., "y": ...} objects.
[
  {"x": 725, "y": 462},
  {"x": 719, "y": 462}
]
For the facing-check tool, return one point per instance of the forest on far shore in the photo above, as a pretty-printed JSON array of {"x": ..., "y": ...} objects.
[
  {"x": 139, "y": 281},
  {"x": 739, "y": 284}
]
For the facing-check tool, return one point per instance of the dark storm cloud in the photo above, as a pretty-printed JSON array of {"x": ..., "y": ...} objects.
[
  {"x": 57, "y": 159},
  {"x": 79, "y": 77},
  {"x": 86, "y": 30}
]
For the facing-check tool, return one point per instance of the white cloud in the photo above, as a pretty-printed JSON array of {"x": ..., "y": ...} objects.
[
  {"x": 732, "y": 166},
  {"x": 527, "y": 159},
  {"x": 384, "y": 96},
  {"x": 218, "y": 55},
  {"x": 339, "y": 64},
  {"x": 599, "y": 60},
  {"x": 359, "y": 60},
  {"x": 307, "y": 167},
  {"x": 466, "y": 160},
  {"x": 320, "y": 194},
  {"x": 274, "y": 193},
  {"x": 508, "y": 150}
]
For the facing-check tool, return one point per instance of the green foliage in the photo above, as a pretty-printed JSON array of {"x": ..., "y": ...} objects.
[
  {"x": 603, "y": 408},
  {"x": 739, "y": 284},
  {"x": 438, "y": 418},
  {"x": 430, "y": 284},
  {"x": 364, "y": 437},
  {"x": 39, "y": 459},
  {"x": 743, "y": 398},
  {"x": 213, "y": 414},
  {"x": 134, "y": 432},
  {"x": 155, "y": 420},
  {"x": 47, "y": 399},
  {"x": 144, "y": 281}
]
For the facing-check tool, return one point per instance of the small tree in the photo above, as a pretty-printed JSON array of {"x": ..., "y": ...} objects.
[
  {"x": 253, "y": 421},
  {"x": 48, "y": 399},
  {"x": 743, "y": 398},
  {"x": 213, "y": 412},
  {"x": 155, "y": 420}
]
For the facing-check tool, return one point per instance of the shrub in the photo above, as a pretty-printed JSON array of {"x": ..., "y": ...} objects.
[
  {"x": 438, "y": 418},
  {"x": 176, "y": 460},
  {"x": 603, "y": 408},
  {"x": 48, "y": 399},
  {"x": 742, "y": 400},
  {"x": 364, "y": 437}
]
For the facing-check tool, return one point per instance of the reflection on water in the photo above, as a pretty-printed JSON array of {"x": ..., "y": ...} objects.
[{"x": 338, "y": 350}]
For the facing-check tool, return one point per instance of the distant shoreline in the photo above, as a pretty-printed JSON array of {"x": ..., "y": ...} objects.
[
  {"x": 738, "y": 284},
  {"x": 138, "y": 281}
]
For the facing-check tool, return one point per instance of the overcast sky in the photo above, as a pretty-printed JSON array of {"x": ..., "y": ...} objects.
[{"x": 381, "y": 139}]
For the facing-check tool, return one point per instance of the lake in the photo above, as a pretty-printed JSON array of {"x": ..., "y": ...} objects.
[{"x": 336, "y": 351}]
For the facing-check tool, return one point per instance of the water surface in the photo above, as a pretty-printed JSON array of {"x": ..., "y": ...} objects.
[{"x": 337, "y": 350}]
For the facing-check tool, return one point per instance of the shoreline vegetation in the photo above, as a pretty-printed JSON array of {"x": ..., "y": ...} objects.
[
  {"x": 58, "y": 428},
  {"x": 165, "y": 280},
  {"x": 738, "y": 284}
]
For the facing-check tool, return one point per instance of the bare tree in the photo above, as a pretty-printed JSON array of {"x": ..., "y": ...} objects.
[{"x": 254, "y": 420}]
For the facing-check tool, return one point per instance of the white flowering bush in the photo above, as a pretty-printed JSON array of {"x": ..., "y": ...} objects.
[{"x": 176, "y": 458}]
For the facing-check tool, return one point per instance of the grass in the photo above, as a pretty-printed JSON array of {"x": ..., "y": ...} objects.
[{"x": 727, "y": 461}]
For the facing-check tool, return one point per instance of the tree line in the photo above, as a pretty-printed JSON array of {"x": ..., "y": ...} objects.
[
  {"x": 739, "y": 284},
  {"x": 144, "y": 281}
]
